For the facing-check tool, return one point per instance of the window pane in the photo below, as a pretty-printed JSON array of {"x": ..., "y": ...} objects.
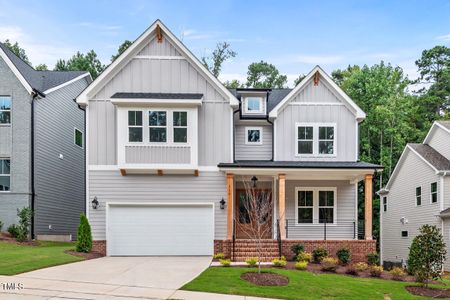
[
  {"x": 254, "y": 104},
  {"x": 5, "y": 117},
  {"x": 253, "y": 136},
  {"x": 158, "y": 135},
  {"x": 305, "y": 215},
  {"x": 418, "y": 200},
  {"x": 5, "y": 103},
  {"x": 244, "y": 208},
  {"x": 179, "y": 118},
  {"x": 418, "y": 191},
  {"x": 434, "y": 187},
  {"x": 305, "y": 133},
  {"x": 5, "y": 166},
  {"x": 5, "y": 184},
  {"x": 135, "y": 134},
  {"x": 179, "y": 135},
  {"x": 434, "y": 197},
  {"x": 78, "y": 138},
  {"x": 326, "y": 215},
  {"x": 305, "y": 198},
  {"x": 157, "y": 118},
  {"x": 326, "y": 133},
  {"x": 326, "y": 198},
  {"x": 326, "y": 147},
  {"x": 135, "y": 118},
  {"x": 305, "y": 147}
]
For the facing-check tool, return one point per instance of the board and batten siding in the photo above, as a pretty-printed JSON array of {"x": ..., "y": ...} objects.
[
  {"x": 256, "y": 151},
  {"x": 110, "y": 186},
  {"x": 413, "y": 172},
  {"x": 316, "y": 94},
  {"x": 59, "y": 163},
  {"x": 440, "y": 141},
  {"x": 346, "y": 211}
]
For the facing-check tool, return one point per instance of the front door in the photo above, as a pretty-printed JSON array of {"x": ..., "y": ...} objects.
[{"x": 248, "y": 219}]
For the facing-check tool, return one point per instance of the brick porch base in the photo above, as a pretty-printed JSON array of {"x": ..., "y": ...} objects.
[{"x": 99, "y": 246}]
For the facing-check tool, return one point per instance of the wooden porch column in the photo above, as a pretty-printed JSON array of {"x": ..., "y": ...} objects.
[
  {"x": 230, "y": 193},
  {"x": 368, "y": 207},
  {"x": 282, "y": 204}
]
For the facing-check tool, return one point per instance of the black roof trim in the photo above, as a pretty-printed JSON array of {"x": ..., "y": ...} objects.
[
  {"x": 300, "y": 164},
  {"x": 177, "y": 96}
]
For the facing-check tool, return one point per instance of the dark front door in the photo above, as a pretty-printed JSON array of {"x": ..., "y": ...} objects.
[{"x": 248, "y": 218}]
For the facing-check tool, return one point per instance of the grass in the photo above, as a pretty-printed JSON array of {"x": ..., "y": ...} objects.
[
  {"x": 15, "y": 259},
  {"x": 302, "y": 285}
]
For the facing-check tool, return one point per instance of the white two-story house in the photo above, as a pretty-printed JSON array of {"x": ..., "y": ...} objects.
[{"x": 169, "y": 148}]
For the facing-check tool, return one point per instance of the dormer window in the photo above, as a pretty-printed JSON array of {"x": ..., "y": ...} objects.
[{"x": 253, "y": 105}]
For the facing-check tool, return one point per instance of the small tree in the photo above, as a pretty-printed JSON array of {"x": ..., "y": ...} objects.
[
  {"x": 84, "y": 235},
  {"x": 427, "y": 254},
  {"x": 25, "y": 215}
]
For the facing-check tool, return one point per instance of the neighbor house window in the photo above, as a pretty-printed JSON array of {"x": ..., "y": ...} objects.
[
  {"x": 326, "y": 140},
  {"x": 157, "y": 121},
  {"x": 180, "y": 127},
  {"x": 315, "y": 205},
  {"x": 434, "y": 192},
  {"x": 78, "y": 138},
  {"x": 385, "y": 203},
  {"x": 418, "y": 196},
  {"x": 404, "y": 233},
  {"x": 316, "y": 139},
  {"x": 135, "y": 126},
  {"x": 5, "y": 175},
  {"x": 5, "y": 110},
  {"x": 305, "y": 202},
  {"x": 326, "y": 206},
  {"x": 305, "y": 139},
  {"x": 253, "y": 135},
  {"x": 254, "y": 105}
]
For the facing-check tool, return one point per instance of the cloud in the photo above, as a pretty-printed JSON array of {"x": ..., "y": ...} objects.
[
  {"x": 445, "y": 38},
  {"x": 318, "y": 59}
]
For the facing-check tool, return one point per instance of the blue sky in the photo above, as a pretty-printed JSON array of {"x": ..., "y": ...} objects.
[{"x": 293, "y": 35}]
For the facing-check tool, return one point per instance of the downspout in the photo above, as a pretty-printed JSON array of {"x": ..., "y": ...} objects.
[
  {"x": 84, "y": 156},
  {"x": 271, "y": 123},
  {"x": 234, "y": 129}
]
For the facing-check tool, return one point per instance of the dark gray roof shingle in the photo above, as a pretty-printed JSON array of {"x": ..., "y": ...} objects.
[
  {"x": 445, "y": 212},
  {"x": 40, "y": 80},
  {"x": 433, "y": 157},
  {"x": 300, "y": 164},
  {"x": 174, "y": 96}
]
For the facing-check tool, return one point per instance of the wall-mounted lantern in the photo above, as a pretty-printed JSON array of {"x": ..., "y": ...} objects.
[
  {"x": 222, "y": 204},
  {"x": 254, "y": 180},
  {"x": 95, "y": 203}
]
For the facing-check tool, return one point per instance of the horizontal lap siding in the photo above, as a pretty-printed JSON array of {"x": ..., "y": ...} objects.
[
  {"x": 110, "y": 186},
  {"x": 346, "y": 211},
  {"x": 253, "y": 152},
  {"x": 440, "y": 141}
]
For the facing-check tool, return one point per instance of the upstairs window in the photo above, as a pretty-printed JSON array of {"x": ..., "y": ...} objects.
[
  {"x": 384, "y": 203},
  {"x": 5, "y": 110},
  {"x": 5, "y": 175},
  {"x": 316, "y": 139},
  {"x": 157, "y": 121},
  {"x": 434, "y": 194},
  {"x": 78, "y": 138},
  {"x": 253, "y": 135},
  {"x": 305, "y": 139},
  {"x": 135, "y": 126},
  {"x": 418, "y": 196},
  {"x": 253, "y": 105},
  {"x": 326, "y": 140},
  {"x": 180, "y": 127}
]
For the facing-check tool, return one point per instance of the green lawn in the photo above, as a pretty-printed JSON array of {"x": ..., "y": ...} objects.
[
  {"x": 15, "y": 259},
  {"x": 302, "y": 285}
]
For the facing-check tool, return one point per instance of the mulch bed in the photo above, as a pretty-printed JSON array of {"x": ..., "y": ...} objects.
[
  {"x": 90, "y": 255},
  {"x": 6, "y": 237},
  {"x": 265, "y": 279},
  {"x": 428, "y": 292}
]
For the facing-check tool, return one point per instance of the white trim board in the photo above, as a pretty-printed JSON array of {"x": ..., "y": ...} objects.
[
  {"x": 432, "y": 129},
  {"x": 67, "y": 83}
]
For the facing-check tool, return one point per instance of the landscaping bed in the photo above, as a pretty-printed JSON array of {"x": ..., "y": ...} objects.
[{"x": 429, "y": 292}]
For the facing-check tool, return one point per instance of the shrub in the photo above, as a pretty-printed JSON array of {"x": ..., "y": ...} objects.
[
  {"x": 376, "y": 271},
  {"x": 319, "y": 254},
  {"x": 373, "y": 259},
  {"x": 251, "y": 262},
  {"x": 84, "y": 235},
  {"x": 351, "y": 270},
  {"x": 304, "y": 256},
  {"x": 360, "y": 267},
  {"x": 13, "y": 230},
  {"x": 25, "y": 214},
  {"x": 225, "y": 262},
  {"x": 279, "y": 262},
  {"x": 297, "y": 249},
  {"x": 329, "y": 264},
  {"x": 427, "y": 264},
  {"x": 343, "y": 255},
  {"x": 219, "y": 255},
  {"x": 397, "y": 273},
  {"x": 301, "y": 265}
]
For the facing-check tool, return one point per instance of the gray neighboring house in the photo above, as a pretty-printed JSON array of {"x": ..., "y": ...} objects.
[
  {"x": 168, "y": 149},
  {"x": 42, "y": 153},
  {"x": 417, "y": 193}
]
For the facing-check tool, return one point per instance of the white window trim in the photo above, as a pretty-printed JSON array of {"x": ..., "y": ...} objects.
[
  {"x": 6, "y": 110},
  {"x": 135, "y": 126},
  {"x": 260, "y": 136},
  {"x": 146, "y": 120},
  {"x": 256, "y": 112},
  {"x": 177, "y": 126},
  {"x": 7, "y": 175},
  {"x": 315, "y": 127},
  {"x": 315, "y": 191},
  {"x": 384, "y": 204},
  {"x": 431, "y": 194},
  {"x": 75, "y": 137},
  {"x": 415, "y": 196}
]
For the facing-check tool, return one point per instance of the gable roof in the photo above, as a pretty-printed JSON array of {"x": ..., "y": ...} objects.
[
  {"x": 445, "y": 124},
  {"x": 126, "y": 56},
  {"x": 42, "y": 81},
  {"x": 359, "y": 113}
]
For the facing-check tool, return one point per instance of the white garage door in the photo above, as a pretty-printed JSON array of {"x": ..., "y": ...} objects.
[{"x": 139, "y": 230}]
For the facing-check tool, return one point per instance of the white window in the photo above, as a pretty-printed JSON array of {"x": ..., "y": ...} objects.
[
  {"x": 253, "y": 105},
  {"x": 434, "y": 195},
  {"x": 5, "y": 175},
  {"x": 419, "y": 196},
  {"x": 315, "y": 205},
  {"x": 5, "y": 110},
  {"x": 315, "y": 139},
  {"x": 385, "y": 203},
  {"x": 157, "y": 121},
  {"x": 78, "y": 138},
  {"x": 135, "y": 126},
  {"x": 180, "y": 127},
  {"x": 253, "y": 135}
]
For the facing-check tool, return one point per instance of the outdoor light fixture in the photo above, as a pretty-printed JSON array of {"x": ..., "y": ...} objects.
[
  {"x": 255, "y": 180},
  {"x": 95, "y": 203},
  {"x": 222, "y": 204}
]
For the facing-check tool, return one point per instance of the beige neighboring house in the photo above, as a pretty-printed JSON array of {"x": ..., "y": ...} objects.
[{"x": 417, "y": 193}]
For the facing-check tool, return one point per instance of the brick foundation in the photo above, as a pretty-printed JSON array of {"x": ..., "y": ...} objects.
[
  {"x": 99, "y": 246},
  {"x": 223, "y": 246}
]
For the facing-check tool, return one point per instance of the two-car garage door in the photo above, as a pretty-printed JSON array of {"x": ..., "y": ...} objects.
[{"x": 139, "y": 230}]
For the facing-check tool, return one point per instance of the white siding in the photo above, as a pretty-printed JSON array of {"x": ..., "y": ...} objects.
[
  {"x": 316, "y": 94},
  {"x": 6, "y": 141},
  {"x": 165, "y": 48},
  {"x": 440, "y": 141},
  {"x": 253, "y": 152}
]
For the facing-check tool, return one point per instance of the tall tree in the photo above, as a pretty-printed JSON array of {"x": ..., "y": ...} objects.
[
  {"x": 124, "y": 46},
  {"x": 233, "y": 84},
  {"x": 299, "y": 79},
  {"x": 17, "y": 50},
  {"x": 264, "y": 75},
  {"x": 222, "y": 53},
  {"x": 82, "y": 62},
  {"x": 41, "y": 67}
]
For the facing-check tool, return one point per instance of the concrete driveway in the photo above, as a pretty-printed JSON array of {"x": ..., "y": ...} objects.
[{"x": 108, "y": 278}]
